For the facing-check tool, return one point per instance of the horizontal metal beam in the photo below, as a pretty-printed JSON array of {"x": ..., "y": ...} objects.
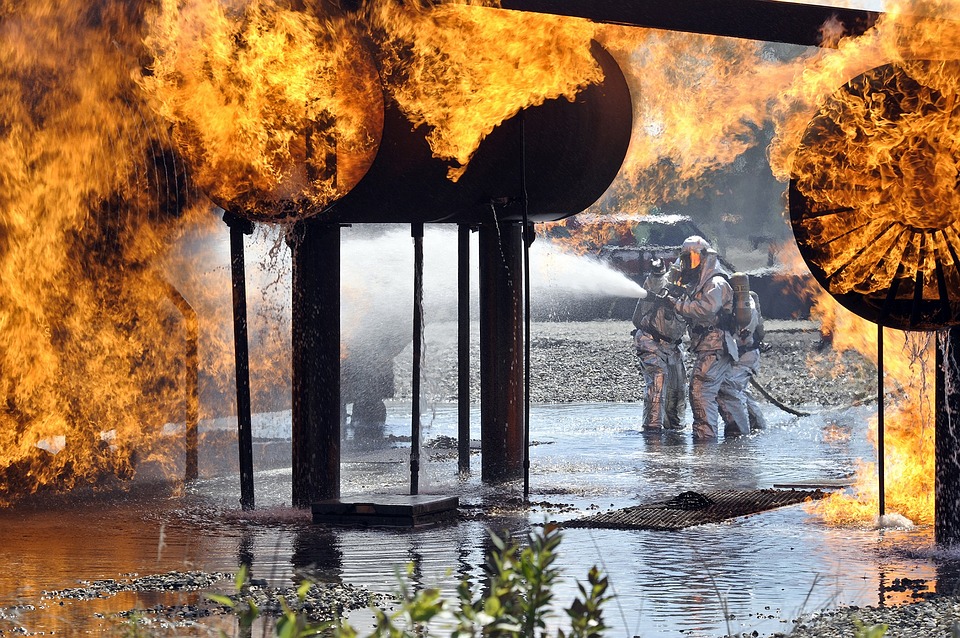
[{"x": 766, "y": 20}]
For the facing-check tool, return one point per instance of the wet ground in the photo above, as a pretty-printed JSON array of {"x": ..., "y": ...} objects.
[{"x": 754, "y": 573}]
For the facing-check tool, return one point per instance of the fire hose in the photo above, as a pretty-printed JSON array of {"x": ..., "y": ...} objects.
[
  {"x": 772, "y": 399},
  {"x": 786, "y": 408}
]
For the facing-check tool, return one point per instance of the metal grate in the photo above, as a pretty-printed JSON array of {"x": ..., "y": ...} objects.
[{"x": 693, "y": 508}]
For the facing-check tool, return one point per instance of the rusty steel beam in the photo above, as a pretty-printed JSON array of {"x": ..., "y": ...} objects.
[
  {"x": 765, "y": 20},
  {"x": 501, "y": 352},
  {"x": 315, "y": 318}
]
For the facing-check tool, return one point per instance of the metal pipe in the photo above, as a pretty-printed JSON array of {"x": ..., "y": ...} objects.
[
  {"x": 416, "y": 230},
  {"x": 463, "y": 348},
  {"x": 315, "y": 314},
  {"x": 947, "y": 439},
  {"x": 239, "y": 227},
  {"x": 501, "y": 351},
  {"x": 765, "y": 20},
  {"x": 191, "y": 326},
  {"x": 528, "y": 236},
  {"x": 880, "y": 444}
]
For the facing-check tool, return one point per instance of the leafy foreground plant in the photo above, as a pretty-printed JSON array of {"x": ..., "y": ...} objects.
[
  {"x": 872, "y": 631},
  {"x": 516, "y": 601}
]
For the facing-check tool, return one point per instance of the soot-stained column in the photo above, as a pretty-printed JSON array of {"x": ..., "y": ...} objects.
[
  {"x": 501, "y": 351},
  {"x": 316, "y": 361},
  {"x": 947, "y": 445}
]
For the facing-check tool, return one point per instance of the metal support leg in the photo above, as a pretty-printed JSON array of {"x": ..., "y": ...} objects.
[
  {"x": 947, "y": 442},
  {"x": 416, "y": 230},
  {"x": 316, "y": 361},
  {"x": 501, "y": 351},
  {"x": 239, "y": 227},
  {"x": 463, "y": 349}
]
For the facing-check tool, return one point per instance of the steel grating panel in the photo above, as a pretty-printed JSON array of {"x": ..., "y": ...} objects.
[{"x": 693, "y": 508}]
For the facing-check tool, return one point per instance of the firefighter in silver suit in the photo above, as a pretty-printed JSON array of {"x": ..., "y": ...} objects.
[
  {"x": 657, "y": 336},
  {"x": 738, "y": 408},
  {"x": 708, "y": 309}
]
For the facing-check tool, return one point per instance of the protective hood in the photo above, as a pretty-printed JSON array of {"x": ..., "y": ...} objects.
[{"x": 710, "y": 266}]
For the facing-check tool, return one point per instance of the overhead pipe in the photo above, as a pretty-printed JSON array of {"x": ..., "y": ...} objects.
[
  {"x": 240, "y": 226},
  {"x": 550, "y": 161},
  {"x": 765, "y": 20}
]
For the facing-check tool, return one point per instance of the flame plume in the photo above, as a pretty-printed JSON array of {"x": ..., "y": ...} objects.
[
  {"x": 878, "y": 173},
  {"x": 875, "y": 195},
  {"x": 460, "y": 68},
  {"x": 89, "y": 195},
  {"x": 119, "y": 120},
  {"x": 278, "y": 111}
]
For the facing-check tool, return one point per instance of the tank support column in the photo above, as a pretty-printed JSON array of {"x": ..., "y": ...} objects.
[
  {"x": 316, "y": 361},
  {"x": 947, "y": 438},
  {"x": 501, "y": 351}
]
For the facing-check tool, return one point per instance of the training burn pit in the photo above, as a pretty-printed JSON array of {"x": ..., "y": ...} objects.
[{"x": 180, "y": 104}]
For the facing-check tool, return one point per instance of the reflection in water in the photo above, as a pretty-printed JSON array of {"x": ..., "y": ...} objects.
[{"x": 751, "y": 573}]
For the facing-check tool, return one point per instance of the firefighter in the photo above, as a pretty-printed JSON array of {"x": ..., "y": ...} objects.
[
  {"x": 739, "y": 410},
  {"x": 657, "y": 334},
  {"x": 708, "y": 308}
]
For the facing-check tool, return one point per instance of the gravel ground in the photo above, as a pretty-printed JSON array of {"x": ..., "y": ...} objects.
[{"x": 594, "y": 361}]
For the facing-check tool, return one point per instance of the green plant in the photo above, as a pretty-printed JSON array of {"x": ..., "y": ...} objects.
[
  {"x": 134, "y": 627},
  {"x": 516, "y": 601},
  {"x": 244, "y": 606},
  {"x": 873, "y": 631}
]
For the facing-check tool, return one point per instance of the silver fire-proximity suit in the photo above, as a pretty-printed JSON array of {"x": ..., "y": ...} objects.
[
  {"x": 657, "y": 340},
  {"x": 738, "y": 408},
  {"x": 709, "y": 299}
]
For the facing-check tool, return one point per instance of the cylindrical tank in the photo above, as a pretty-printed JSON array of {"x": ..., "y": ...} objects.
[
  {"x": 558, "y": 158},
  {"x": 740, "y": 282},
  {"x": 877, "y": 229}
]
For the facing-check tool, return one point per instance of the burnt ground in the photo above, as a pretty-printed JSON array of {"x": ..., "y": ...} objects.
[{"x": 593, "y": 361}]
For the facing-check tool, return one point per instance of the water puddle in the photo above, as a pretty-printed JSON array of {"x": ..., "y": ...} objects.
[{"x": 754, "y": 573}]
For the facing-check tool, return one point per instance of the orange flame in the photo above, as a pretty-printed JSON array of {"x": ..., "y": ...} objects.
[
  {"x": 908, "y": 414},
  {"x": 462, "y": 68},
  {"x": 114, "y": 117},
  {"x": 587, "y": 233},
  {"x": 83, "y": 216},
  {"x": 279, "y": 112},
  {"x": 880, "y": 180},
  {"x": 699, "y": 103}
]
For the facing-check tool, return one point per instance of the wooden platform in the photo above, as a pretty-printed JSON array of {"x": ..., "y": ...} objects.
[{"x": 386, "y": 510}]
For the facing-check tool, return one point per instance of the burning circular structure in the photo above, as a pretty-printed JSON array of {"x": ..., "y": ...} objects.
[{"x": 875, "y": 195}]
